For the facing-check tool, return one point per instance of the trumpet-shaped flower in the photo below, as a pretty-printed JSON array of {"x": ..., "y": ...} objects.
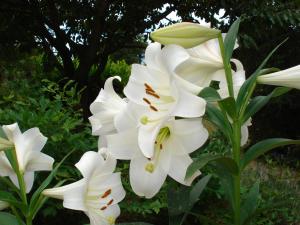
[
  {"x": 97, "y": 193},
  {"x": 184, "y": 34},
  {"x": 3, "y": 205},
  {"x": 27, "y": 146},
  {"x": 173, "y": 144},
  {"x": 152, "y": 87},
  {"x": 288, "y": 78},
  {"x": 203, "y": 65},
  {"x": 106, "y": 109}
]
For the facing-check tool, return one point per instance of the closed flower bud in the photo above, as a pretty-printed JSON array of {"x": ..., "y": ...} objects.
[{"x": 185, "y": 34}]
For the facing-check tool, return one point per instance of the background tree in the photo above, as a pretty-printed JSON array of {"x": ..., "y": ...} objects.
[{"x": 88, "y": 31}]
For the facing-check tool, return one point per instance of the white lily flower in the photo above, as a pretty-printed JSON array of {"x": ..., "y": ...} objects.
[
  {"x": 173, "y": 144},
  {"x": 106, "y": 109},
  {"x": 288, "y": 78},
  {"x": 153, "y": 88},
  {"x": 3, "y": 205},
  {"x": 97, "y": 193},
  {"x": 203, "y": 65},
  {"x": 28, "y": 146}
]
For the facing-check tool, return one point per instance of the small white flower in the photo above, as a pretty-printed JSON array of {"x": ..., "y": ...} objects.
[
  {"x": 97, "y": 193},
  {"x": 106, "y": 109},
  {"x": 173, "y": 144},
  {"x": 152, "y": 88},
  {"x": 3, "y": 205},
  {"x": 288, "y": 78},
  {"x": 28, "y": 146}
]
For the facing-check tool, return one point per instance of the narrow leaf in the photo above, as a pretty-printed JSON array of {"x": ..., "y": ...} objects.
[
  {"x": 209, "y": 94},
  {"x": 9, "y": 198},
  {"x": 230, "y": 39},
  {"x": 227, "y": 163},
  {"x": 250, "y": 83},
  {"x": 264, "y": 146},
  {"x": 198, "y": 189},
  {"x": 46, "y": 182},
  {"x": 250, "y": 204},
  {"x": 259, "y": 102},
  {"x": 216, "y": 117},
  {"x": 228, "y": 104}
]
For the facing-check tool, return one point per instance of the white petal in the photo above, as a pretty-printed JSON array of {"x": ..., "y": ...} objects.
[
  {"x": 152, "y": 54},
  {"x": 39, "y": 162},
  {"x": 3, "y": 205},
  {"x": 89, "y": 162},
  {"x": 245, "y": 132},
  {"x": 189, "y": 105},
  {"x": 190, "y": 132},
  {"x": 104, "y": 217},
  {"x": 178, "y": 168},
  {"x": 34, "y": 140},
  {"x": 123, "y": 145},
  {"x": 288, "y": 78},
  {"x": 72, "y": 194},
  {"x": 29, "y": 179},
  {"x": 144, "y": 183},
  {"x": 12, "y": 131},
  {"x": 102, "y": 123},
  {"x": 5, "y": 167},
  {"x": 172, "y": 56},
  {"x": 146, "y": 139}
]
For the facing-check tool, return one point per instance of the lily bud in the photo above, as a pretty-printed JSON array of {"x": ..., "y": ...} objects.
[
  {"x": 5, "y": 144},
  {"x": 185, "y": 34},
  {"x": 287, "y": 78}
]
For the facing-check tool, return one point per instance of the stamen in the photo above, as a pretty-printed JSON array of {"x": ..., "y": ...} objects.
[
  {"x": 160, "y": 146},
  {"x": 149, "y": 167},
  {"x": 149, "y": 87},
  {"x": 103, "y": 208},
  {"x": 110, "y": 202},
  {"x": 153, "y": 108},
  {"x": 147, "y": 101},
  {"x": 108, "y": 192},
  {"x": 152, "y": 94}
]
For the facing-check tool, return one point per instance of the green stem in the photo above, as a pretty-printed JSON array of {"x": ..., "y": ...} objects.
[
  {"x": 227, "y": 67},
  {"x": 236, "y": 149},
  {"x": 20, "y": 177}
]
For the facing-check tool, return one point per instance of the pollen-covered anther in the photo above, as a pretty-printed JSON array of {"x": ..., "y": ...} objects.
[
  {"x": 160, "y": 146},
  {"x": 110, "y": 202},
  {"x": 153, "y": 108},
  {"x": 106, "y": 193},
  {"x": 103, "y": 208},
  {"x": 152, "y": 94},
  {"x": 147, "y": 101},
  {"x": 148, "y": 87}
]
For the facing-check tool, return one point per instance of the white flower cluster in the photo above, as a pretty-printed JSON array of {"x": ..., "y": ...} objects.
[{"x": 159, "y": 122}]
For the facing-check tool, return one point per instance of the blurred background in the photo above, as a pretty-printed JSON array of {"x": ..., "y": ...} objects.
[{"x": 55, "y": 55}]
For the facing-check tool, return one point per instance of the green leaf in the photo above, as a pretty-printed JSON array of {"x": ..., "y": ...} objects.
[
  {"x": 45, "y": 183},
  {"x": 198, "y": 189},
  {"x": 230, "y": 38},
  {"x": 249, "y": 85},
  {"x": 264, "y": 146},
  {"x": 8, "y": 219},
  {"x": 227, "y": 163},
  {"x": 215, "y": 116},
  {"x": 250, "y": 204},
  {"x": 209, "y": 94},
  {"x": 259, "y": 102},
  {"x": 228, "y": 104},
  {"x": 9, "y": 198}
]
